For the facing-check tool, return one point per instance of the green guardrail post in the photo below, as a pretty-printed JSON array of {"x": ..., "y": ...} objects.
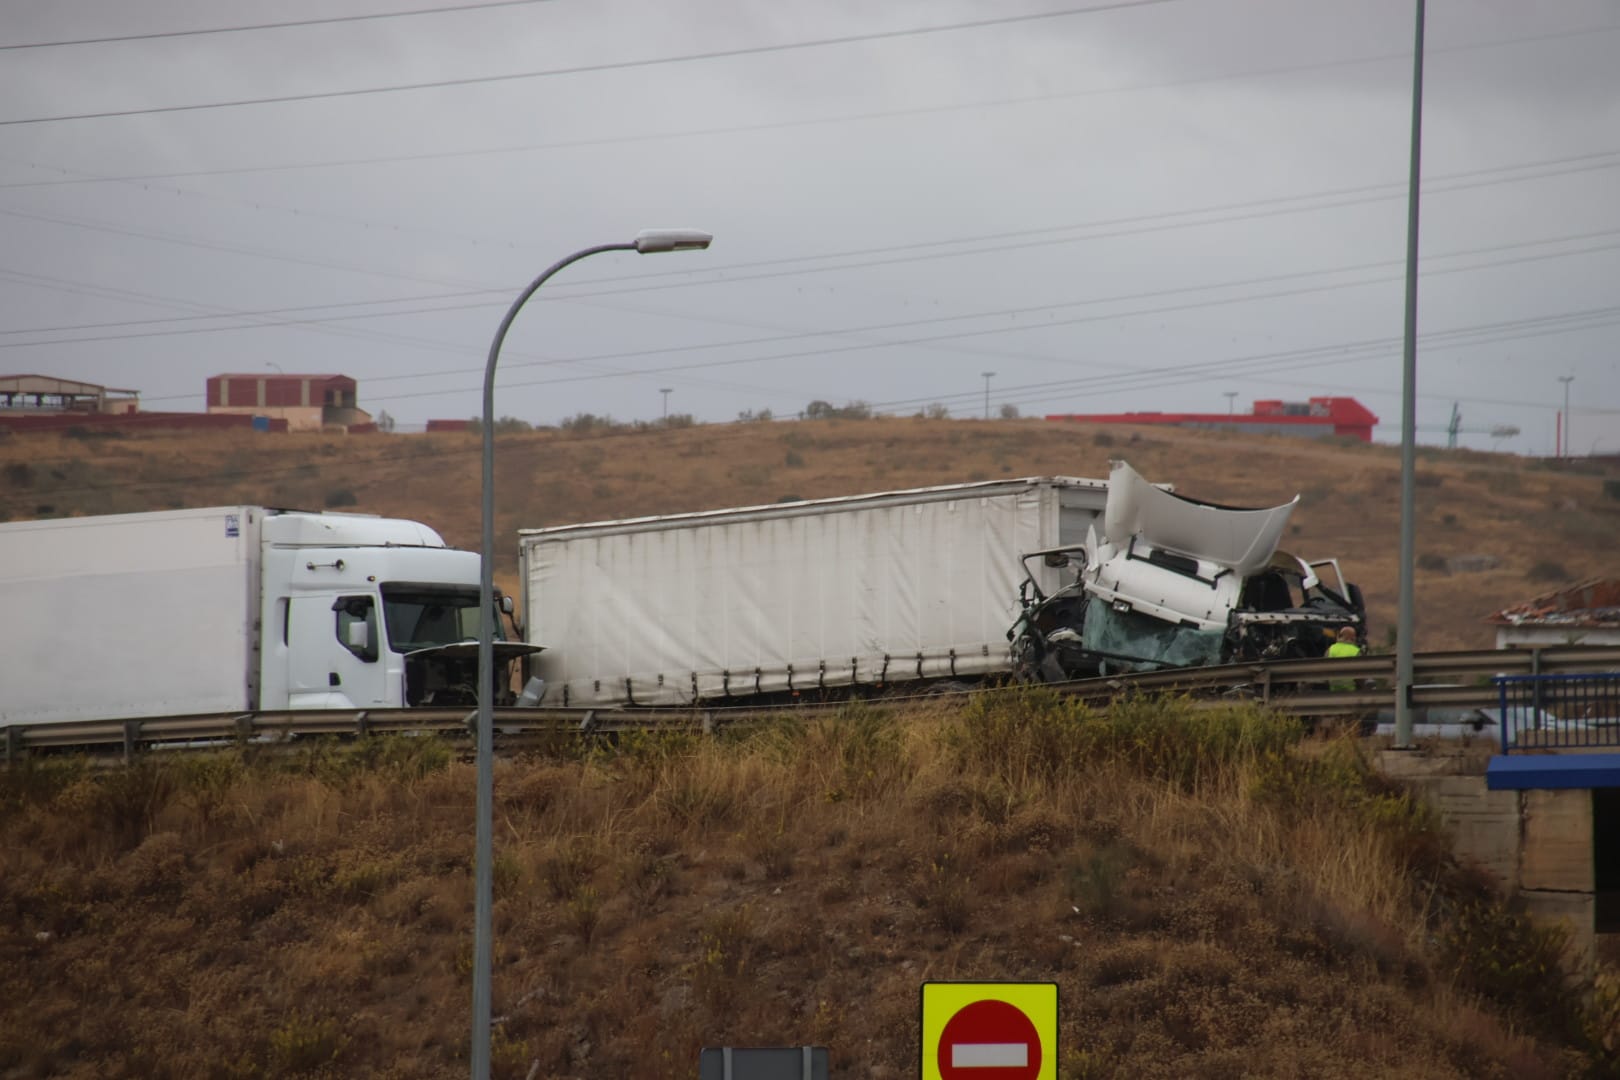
[{"x": 132, "y": 737}]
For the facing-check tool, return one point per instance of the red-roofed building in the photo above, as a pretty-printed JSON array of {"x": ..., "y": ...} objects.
[
  {"x": 1318, "y": 418},
  {"x": 306, "y": 402}
]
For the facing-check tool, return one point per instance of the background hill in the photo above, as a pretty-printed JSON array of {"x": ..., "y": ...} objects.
[{"x": 1493, "y": 529}]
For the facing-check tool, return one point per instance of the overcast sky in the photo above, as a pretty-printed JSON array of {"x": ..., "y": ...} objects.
[{"x": 1111, "y": 206}]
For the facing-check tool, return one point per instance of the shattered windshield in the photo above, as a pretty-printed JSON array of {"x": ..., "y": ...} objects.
[
  {"x": 423, "y": 616},
  {"x": 1130, "y": 639}
]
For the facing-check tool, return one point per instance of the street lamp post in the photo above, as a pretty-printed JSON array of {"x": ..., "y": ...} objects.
[
  {"x": 988, "y": 375},
  {"x": 646, "y": 243},
  {"x": 1406, "y": 619},
  {"x": 1231, "y": 400},
  {"x": 665, "y": 391},
  {"x": 1566, "y": 380}
]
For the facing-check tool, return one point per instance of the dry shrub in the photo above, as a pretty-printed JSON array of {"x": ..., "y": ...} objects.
[
  {"x": 36, "y": 780},
  {"x": 205, "y": 783},
  {"x": 1094, "y": 882},
  {"x": 725, "y": 950},
  {"x": 770, "y": 845},
  {"x": 1036, "y": 736},
  {"x": 569, "y": 868},
  {"x": 646, "y": 878},
  {"x": 943, "y": 892},
  {"x": 303, "y": 1044},
  {"x": 582, "y": 913}
]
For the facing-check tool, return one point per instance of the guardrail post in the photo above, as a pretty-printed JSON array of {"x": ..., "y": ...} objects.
[
  {"x": 244, "y": 727},
  {"x": 132, "y": 735},
  {"x": 13, "y": 744},
  {"x": 1265, "y": 686},
  {"x": 362, "y": 726}
]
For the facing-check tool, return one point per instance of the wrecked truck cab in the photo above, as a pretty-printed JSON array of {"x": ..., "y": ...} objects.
[{"x": 1171, "y": 581}]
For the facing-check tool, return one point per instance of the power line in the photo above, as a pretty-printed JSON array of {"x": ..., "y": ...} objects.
[
  {"x": 619, "y": 65},
  {"x": 1265, "y": 363},
  {"x": 158, "y": 35},
  {"x": 608, "y": 140},
  {"x": 1119, "y": 226},
  {"x": 824, "y": 350}
]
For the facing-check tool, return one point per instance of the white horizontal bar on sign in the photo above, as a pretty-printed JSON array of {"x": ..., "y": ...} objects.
[{"x": 989, "y": 1055}]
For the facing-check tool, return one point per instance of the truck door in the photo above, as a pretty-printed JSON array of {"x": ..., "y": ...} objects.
[{"x": 335, "y": 650}]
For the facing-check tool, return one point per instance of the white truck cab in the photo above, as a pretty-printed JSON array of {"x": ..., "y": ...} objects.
[{"x": 235, "y": 608}]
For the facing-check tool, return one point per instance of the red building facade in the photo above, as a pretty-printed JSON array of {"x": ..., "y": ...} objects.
[{"x": 1320, "y": 417}]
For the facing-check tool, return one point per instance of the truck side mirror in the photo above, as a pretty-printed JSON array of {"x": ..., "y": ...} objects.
[
  {"x": 507, "y": 607},
  {"x": 359, "y": 637}
]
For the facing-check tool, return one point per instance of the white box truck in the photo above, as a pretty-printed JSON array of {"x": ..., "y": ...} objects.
[
  {"x": 866, "y": 590},
  {"x": 232, "y": 609}
]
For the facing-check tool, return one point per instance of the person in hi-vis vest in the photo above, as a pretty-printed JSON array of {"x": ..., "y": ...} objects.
[{"x": 1345, "y": 646}]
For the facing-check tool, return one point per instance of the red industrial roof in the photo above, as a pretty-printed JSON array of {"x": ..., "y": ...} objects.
[
  {"x": 1590, "y": 603},
  {"x": 1346, "y": 416}
]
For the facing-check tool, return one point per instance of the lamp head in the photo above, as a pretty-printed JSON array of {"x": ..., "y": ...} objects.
[{"x": 652, "y": 240}]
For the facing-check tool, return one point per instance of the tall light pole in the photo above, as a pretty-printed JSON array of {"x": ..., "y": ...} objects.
[
  {"x": 1231, "y": 399},
  {"x": 1406, "y": 620},
  {"x": 1566, "y": 380},
  {"x": 988, "y": 375},
  {"x": 665, "y": 391},
  {"x": 646, "y": 243}
]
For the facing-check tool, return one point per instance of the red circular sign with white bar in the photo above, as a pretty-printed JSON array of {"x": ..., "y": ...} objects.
[{"x": 989, "y": 1040}]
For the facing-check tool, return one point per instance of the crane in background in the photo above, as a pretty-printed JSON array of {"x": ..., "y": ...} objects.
[{"x": 1496, "y": 431}]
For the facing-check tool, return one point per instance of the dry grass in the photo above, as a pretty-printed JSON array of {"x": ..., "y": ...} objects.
[
  {"x": 1469, "y": 503},
  {"x": 1210, "y": 901}
]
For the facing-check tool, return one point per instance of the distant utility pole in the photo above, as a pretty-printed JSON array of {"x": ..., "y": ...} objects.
[
  {"x": 1231, "y": 395},
  {"x": 1566, "y": 380},
  {"x": 665, "y": 391},
  {"x": 988, "y": 375}
]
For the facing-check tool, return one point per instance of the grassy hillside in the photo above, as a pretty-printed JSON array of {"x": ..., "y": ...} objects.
[
  {"x": 1213, "y": 896},
  {"x": 1526, "y": 525}
]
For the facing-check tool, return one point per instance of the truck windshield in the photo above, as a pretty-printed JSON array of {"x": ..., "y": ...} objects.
[
  {"x": 423, "y": 616},
  {"x": 1137, "y": 642}
]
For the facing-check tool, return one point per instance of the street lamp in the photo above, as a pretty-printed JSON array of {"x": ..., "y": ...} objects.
[
  {"x": 1566, "y": 380},
  {"x": 1406, "y": 618},
  {"x": 988, "y": 375},
  {"x": 1231, "y": 398},
  {"x": 646, "y": 243},
  {"x": 665, "y": 391}
]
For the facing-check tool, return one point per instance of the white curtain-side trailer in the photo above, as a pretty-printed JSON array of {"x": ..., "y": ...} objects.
[
  {"x": 868, "y": 590},
  {"x": 231, "y": 609}
]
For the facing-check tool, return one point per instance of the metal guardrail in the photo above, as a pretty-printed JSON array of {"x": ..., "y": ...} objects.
[
  {"x": 1559, "y": 712},
  {"x": 1461, "y": 680}
]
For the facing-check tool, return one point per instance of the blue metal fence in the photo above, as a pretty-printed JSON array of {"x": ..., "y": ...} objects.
[{"x": 1559, "y": 712}]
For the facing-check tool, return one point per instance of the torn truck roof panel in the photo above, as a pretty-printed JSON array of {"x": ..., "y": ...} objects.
[{"x": 1241, "y": 540}]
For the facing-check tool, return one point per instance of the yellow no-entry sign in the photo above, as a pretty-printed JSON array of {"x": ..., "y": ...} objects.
[{"x": 989, "y": 1031}]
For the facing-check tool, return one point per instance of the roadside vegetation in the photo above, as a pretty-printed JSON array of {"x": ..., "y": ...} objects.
[{"x": 1215, "y": 893}]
